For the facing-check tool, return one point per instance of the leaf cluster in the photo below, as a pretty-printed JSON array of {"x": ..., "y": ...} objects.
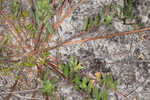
[
  {"x": 70, "y": 68},
  {"x": 98, "y": 20},
  {"x": 48, "y": 85},
  {"x": 126, "y": 11},
  {"x": 43, "y": 12},
  {"x": 128, "y": 8},
  {"x": 29, "y": 61},
  {"x": 82, "y": 83},
  {"x": 15, "y": 9}
]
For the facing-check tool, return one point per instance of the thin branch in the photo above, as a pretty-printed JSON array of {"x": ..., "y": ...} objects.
[
  {"x": 107, "y": 36},
  {"x": 8, "y": 61},
  {"x": 54, "y": 68},
  {"x": 96, "y": 38},
  {"x": 25, "y": 97},
  {"x": 16, "y": 92},
  {"x": 37, "y": 38}
]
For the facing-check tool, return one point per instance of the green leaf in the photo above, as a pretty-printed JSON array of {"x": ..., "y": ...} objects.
[
  {"x": 20, "y": 64},
  {"x": 46, "y": 74},
  {"x": 128, "y": 8},
  {"x": 15, "y": 7},
  {"x": 66, "y": 71},
  {"x": 84, "y": 83},
  {"x": 110, "y": 83},
  {"x": 96, "y": 21},
  {"x": 96, "y": 94},
  {"x": 77, "y": 87},
  {"x": 53, "y": 80},
  {"x": 76, "y": 80},
  {"x": 49, "y": 28},
  {"x": 72, "y": 64},
  {"x": 61, "y": 67},
  {"x": 90, "y": 22},
  {"x": 101, "y": 81},
  {"x": 89, "y": 88},
  {"x": 103, "y": 95},
  {"x": 48, "y": 86},
  {"x": 25, "y": 13},
  {"x": 85, "y": 23},
  {"x": 43, "y": 11},
  {"x": 109, "y": 18},
  {"x": 29, "y": 62}
]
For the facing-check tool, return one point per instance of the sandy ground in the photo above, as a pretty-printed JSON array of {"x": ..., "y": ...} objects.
[{"x": 126, "y": 57}]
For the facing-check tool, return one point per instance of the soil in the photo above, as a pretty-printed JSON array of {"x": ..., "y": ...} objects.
[{"x": 126, "y": 57}]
